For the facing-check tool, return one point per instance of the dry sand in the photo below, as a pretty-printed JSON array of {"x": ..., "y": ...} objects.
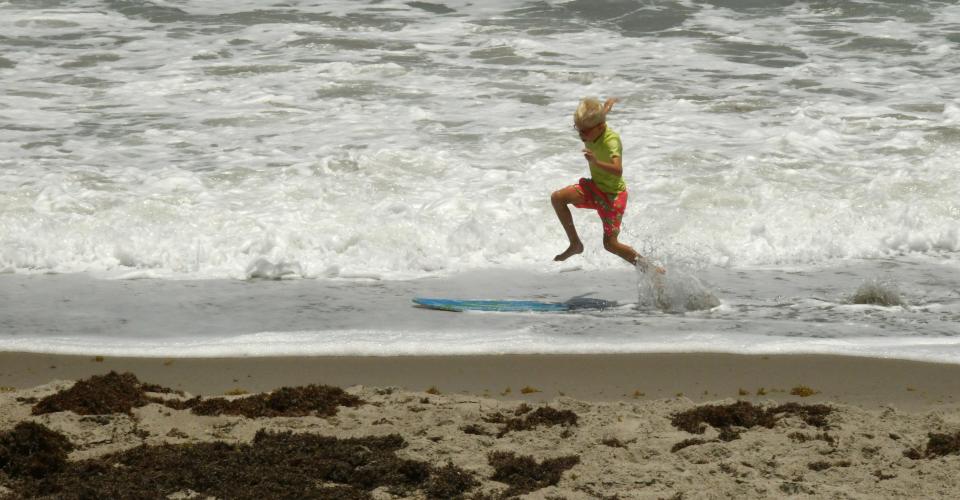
[{"x": 624, "y": 439}]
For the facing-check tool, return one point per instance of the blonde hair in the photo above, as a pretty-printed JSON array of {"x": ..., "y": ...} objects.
[{"x": 589, "y": 113}]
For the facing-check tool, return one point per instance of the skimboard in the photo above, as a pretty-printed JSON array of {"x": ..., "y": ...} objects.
[{"x": 511, "y": 305}]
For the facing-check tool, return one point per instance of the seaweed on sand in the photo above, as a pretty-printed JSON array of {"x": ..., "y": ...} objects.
[
  {"x": 474, "y": 429},
  {"x": 449, "y": 481},
  {"x": 543, "y": 416},
  {"x": 273, "y": 465},
  {"x": 523, "y": 474},
  {"x": 321, "y": 400},
  {"x": 822, "y": 465},
  {"x": 802, "y": 391},
  {"x": 120, "y": 393},
  {"x": 815, "y": 415},
  {"x": 32, "y": 450},
  {"x": 938, "y": 445},
  {"x": 99, "y": 395},
  {"x": 739, "y": 414},
  {"x": 747, "y": 415}
]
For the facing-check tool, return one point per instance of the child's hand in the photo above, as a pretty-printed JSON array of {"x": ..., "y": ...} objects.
[
  {"x": 591, "y": 158},
  {"x": 608, "y": 104}
]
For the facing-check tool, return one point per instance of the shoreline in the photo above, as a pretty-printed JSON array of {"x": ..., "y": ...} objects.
[{"x": 866, "y": 382}]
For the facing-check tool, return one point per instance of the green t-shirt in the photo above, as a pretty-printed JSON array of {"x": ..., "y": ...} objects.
[{"x": 605, "y": 148}]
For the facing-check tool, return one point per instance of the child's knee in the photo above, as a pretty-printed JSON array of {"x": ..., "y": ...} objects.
[
  {"x": 558, "y": 197},
  {"x": 610, "y": 244}
]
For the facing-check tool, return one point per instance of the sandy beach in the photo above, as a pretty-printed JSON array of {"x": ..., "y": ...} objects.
[{"x": 624, "y": 426}]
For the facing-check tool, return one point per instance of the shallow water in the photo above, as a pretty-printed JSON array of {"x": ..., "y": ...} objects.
[{"x": 762, "y": 310}]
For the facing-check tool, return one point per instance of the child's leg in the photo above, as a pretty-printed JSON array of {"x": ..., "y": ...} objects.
[
  {"x": 612, "y": 245},
  {"x": 627, "y": 253},
  {"x": 560, "y": 199}
]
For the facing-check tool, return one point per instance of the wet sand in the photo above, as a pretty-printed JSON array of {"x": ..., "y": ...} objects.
[{"x": 868, "y": 382}]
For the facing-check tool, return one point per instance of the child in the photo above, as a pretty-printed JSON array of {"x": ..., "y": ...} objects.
[{"x": 605, "y": 191}]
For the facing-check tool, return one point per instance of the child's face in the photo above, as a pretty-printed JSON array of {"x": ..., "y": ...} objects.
[{"x": 588, "y": 134}]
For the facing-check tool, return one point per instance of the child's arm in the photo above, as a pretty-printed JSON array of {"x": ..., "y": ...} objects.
[
  {"x": 615, "y": 166},
  {"x": 608, "y": 104}
]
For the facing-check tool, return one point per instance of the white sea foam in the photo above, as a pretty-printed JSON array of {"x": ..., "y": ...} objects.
[
  {"x": 400, "y": 343},
  {"x": 336, "y": 140}
]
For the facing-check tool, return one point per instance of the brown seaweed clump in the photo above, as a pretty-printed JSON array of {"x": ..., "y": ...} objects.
[
  {"x": 815, "y": 415},
  {"x": 450, "y": 481},
  {"x": 822, "y": 465},
  {"x": 543, "y": 416},
  {"x": 121, "y": 393},
  {"x": 99, "y": 395},
  {"x": 321, "y": 400},
  {"x": 474, "y": 429},
  {"x": 523, "y": 474},
  {"x": 802, "y": 391},
  {"x": 33, "y": 450},
  {"x": 938, "y": 445},
  {"x": 747, "y": 415},
  {"x": 273, "y": 465},
  {"x": 613, "y": 442},
  {"x": 739, "y": 414}
]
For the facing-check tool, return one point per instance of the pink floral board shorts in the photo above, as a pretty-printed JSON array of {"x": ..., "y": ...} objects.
[{"x": 610, "y": 210}]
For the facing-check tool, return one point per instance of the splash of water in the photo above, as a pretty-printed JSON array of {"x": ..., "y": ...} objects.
[
  {"x": 877, "y": 292},
  {"x": 677, "y": 290}
]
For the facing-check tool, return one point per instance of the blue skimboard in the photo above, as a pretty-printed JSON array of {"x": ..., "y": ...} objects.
[
  {"x": 491, "y": 305},
  {"x": 512, "y": 305}
]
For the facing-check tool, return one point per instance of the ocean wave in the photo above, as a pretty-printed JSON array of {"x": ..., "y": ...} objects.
[{"x": 357, "y": 140}]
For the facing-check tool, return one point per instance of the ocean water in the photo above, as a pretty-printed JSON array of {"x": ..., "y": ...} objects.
[{"x": 334, "y": 159}]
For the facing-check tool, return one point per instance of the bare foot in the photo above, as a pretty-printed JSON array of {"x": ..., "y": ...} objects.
[
  {"x": 574, "y": 249},
  {"x": 644, "y": 266}
]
